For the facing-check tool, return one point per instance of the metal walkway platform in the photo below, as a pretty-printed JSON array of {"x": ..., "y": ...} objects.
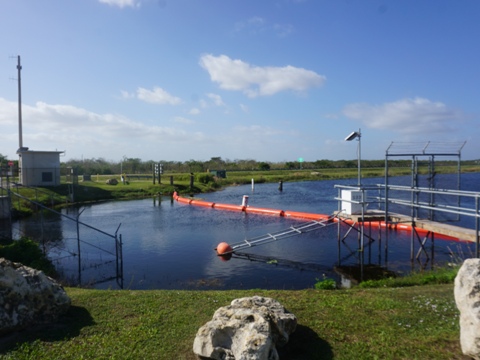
[{"x": 436, "y": 227}]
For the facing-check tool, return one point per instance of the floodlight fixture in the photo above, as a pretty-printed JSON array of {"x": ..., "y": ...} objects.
[{"x": 352, "y": 136}]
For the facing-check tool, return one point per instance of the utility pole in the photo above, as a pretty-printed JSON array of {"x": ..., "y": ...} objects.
[{"x": 20, "y": 136}]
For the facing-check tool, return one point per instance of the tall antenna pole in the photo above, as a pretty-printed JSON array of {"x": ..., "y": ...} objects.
[{"x": 20, "y": 136}]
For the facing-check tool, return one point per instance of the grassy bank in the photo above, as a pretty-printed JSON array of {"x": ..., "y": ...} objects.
[{"x": 419, "y": 322}]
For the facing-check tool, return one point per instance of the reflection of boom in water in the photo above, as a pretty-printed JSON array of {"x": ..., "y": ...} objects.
[
  {"x": 226, "y": 249},
  {"x": 281, "y": 262}
]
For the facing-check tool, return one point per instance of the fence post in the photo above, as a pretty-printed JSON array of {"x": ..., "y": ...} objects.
[
  {"x": 119, "y": 259},
  {"x": 78, "y": 249}
]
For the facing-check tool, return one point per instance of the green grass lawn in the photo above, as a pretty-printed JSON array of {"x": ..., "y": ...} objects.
[{"x": 419, "y": 322}]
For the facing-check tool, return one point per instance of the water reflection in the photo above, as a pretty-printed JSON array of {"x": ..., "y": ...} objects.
[{"x": 169, "y": 245}]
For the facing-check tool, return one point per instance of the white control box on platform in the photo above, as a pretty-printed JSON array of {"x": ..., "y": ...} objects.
[{"x": 348, "y": 207}]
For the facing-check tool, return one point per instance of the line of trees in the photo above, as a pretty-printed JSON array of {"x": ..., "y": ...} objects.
[{"x": 137, "y": 166}]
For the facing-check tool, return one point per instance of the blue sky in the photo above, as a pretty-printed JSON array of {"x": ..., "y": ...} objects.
[{"x": 270, "y": 80}]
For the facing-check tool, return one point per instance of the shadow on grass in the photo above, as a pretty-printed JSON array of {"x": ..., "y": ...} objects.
[
  {"x": 304, "y": 343},
  {"x": 68, "y": 326}
]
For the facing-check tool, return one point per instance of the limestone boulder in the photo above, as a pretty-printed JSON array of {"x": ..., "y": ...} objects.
[
  {"x": 467, "y": 298},
  {"x": 249, "y": 328},
  {"x": 28, "y": 297}
]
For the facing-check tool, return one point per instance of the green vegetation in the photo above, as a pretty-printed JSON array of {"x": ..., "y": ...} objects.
[
  {"x": 384, "y": 323},
  {"x": 28, "y": 253},
  {"x": 325, "y": 284},
  {"x": 444, "y": 275},
  {"x": 137, "y": 166}
]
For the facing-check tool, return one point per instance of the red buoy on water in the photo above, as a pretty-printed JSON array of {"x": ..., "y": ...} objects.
[{"x": 223, "y": 248}]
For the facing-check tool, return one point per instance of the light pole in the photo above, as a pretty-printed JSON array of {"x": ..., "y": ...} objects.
[
  {"x": 357, "y": 135},
  {"x": 20, "y": 132},
  {"x": 124, "y": 157}
]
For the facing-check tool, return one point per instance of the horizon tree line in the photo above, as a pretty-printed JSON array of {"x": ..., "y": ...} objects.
[{"x": 127, "y": 165}]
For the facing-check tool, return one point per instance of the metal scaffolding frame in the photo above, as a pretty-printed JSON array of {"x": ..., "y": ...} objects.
[
  {"x": 423, "y": 204},
  {"x": 417, "y": 151}
]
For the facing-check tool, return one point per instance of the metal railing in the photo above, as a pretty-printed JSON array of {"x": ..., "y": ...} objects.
[{"x": 408, "y": 202}]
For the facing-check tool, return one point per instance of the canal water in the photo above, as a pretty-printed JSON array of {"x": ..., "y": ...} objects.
[{"x": 170, "y": 245}]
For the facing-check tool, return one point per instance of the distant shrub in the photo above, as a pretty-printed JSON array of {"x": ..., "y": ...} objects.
[
  {"x": 263, "y": 166},
  {"x": 205, "y": 178},
  {"x": 325, "y": 284}
]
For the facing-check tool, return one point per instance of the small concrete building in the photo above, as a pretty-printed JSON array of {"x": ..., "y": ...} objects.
[
  {"x": 39, "y": 168},
  {"x": 219, "y": 173}
]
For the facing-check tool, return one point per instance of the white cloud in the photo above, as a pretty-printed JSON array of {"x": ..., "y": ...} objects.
[
  {"x": 157, "y": 96},
  {"x": 256, "y": 21},
  {"x": 217, "y": 99},
  {"x": 194, "y": 111},
  {"x": 86, "y": 134},
  {"x": 259, "y": 131},
  {"x": 59, "y": 120},
  {"x": 203, "y": 103},
  {"x": 253, "y": 25},
  {"x": 331, "y": 116},
  {"x": 79, "y": 131},
  {"x": 283, "y": 30},
  {"x": 244, "y": 108},
  {"x": 8, "y": 113},
  {"x": 127, "y": 95},
  {"x": 256, "y": 81},
  {"x": 121, "y": 3},
  {"x": 258, "y": 25},
  {"x": 406, "y": 116},
  {"x": 182, "y": 120}
]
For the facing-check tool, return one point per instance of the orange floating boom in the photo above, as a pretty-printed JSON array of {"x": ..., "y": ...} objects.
[
  {"x": 229, "y": 207},
  {"x": 202, "y": 203},
  {"x": 265, "y": 211},
  {"x": 183, "y": 200},
  {"x": 302, "y": 215}
]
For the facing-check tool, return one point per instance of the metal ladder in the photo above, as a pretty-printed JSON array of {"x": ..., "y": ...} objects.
[{"x": 283, "y": 234}]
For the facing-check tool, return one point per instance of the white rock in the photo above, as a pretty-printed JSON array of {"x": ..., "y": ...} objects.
[
  {"x": 248, "y": 329},
  {"x": 467, "y": 298},
  {"x": 27, "y": 297}
]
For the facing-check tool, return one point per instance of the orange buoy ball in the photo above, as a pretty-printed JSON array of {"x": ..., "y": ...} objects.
[
  {"x": 223, "y": 248},
  {"x": 226, "y": 257}
]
